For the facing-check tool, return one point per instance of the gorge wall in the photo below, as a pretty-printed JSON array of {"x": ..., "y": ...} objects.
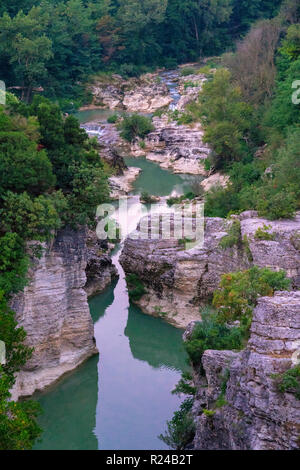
[
  {"x": 255, "y": 416},
  {"x": 178, "y": 281},
  {"x": 54, "y": 311}
]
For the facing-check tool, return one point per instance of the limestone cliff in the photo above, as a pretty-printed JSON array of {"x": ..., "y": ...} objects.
[
  {"x": 54, "y": 311},
  {"x": 178, "y": 281},
  {"x": 256, "y": 416}
]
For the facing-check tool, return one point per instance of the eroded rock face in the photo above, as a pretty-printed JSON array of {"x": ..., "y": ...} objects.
[
  {"x": 189, "y": 89},
  {"x": 54, "y": 312},
  {"x": 256, "y": 416},
  {"x": 179, "y": 148},
  {"x": 145, "y": 94},
  {"x": 100, "y": 272},
  {"x": 179, "y": 281},
  {"x": 147, "y": 99}
]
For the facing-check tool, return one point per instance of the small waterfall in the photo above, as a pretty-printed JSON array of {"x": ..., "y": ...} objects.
[
  {"x": 93, "y": 129},
  {"x": 170, "y": 79}
]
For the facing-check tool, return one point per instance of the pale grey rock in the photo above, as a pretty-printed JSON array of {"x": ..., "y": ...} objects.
[
  {"x": 282, "y": 253},
  {"x": 256, "y": 416},
  {"x": 179, "y": 148},
  {"x": 145, "y": 94},
  {"x": 100, "y": 271},
  {"x": 54, "y": 312},
  {"x": 217, "y": 179},
  {"x": 179, "y": 281}
]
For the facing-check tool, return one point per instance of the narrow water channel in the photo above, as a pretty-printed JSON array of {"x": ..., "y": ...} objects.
[{"x": 122, "y": 398}]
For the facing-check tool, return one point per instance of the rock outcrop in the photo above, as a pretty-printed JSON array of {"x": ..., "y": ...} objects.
[
  {"x": 189, "y": 89},
  {"x": 175, "y": 147},
  {"x": 54, "y": 311},
  {"x": 145, "y": 94},
  {"x": 255, "y": 416},
  {"x": 179, "y": 281},
  {"x": 100, "y": 271}
]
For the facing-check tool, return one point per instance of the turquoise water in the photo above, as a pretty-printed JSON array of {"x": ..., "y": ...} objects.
[
  {"x": 122, "y": 398},
  {"x": 157, "y": 181}
]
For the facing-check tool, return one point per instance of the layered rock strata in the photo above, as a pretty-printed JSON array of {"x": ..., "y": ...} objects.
[
  {"x": 255, "y": 415},
  {"x": 178, "y": 281}
]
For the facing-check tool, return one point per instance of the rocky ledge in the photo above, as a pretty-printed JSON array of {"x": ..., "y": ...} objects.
[
  {"x": 54, "y": 311},
  {"x": 145, "y": 94},
  {"x": 178, "y": 281},
  {"x": 175, "y": 147},
  {"x": 255, "y": 416}
]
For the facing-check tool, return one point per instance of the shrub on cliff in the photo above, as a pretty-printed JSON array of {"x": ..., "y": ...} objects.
[
  {"x": 136, "y": 289},
  {"x": 211, "y": 334},
  {"x": 238, "y": 293},
  {"x": 18, "y": 427},
  {"x": 135, "y": 126},
  {"x": 181, "y": 428},
  {"x": 289, "y": 381}
]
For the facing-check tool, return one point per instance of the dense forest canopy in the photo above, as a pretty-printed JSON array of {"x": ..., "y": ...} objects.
[{"x": 56, "y": 44}]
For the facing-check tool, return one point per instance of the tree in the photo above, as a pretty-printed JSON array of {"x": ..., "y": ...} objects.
[
  {"x": 26, "y": 47},
  {"x": 181, "y": 429},
  {"x": 226, "y": 118},
  {"x": 22, "y": 166}
]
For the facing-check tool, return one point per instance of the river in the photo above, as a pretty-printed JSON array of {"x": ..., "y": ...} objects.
[{"x": 122, "y": 398}]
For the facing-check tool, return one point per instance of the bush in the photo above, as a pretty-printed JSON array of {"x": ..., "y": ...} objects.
[
  {"x": 113, "y": 118},
  {"x": 263, "y": 234},
  {"x": 185, "y": 385},
  {"x": 289, "y": 381},
  {"x": 136, "y": 289},
  {"x": 187, "y": 71},
  {"x": 181, "y": 429},
  {"x": 211, "y": 334},
  {"x": 135, "y": 126},
  {"x": 238, "y": 293},
  {"x": 234, "y": 235}
]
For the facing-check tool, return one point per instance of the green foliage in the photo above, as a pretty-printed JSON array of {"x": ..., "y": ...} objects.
[
  {"x": 184, "y": 385},
  {"x": 238, "y": 293},
  {"x": 226, "y": 118},
  {"x": 34, "y": 218},
  {"x": 135, "y": 126},
  {"x": 18, "y": 427},
  {"x": 209, "y": 413},
  {"x": 113, "y": 118},
  {"x": 234, "y": 235},
  {"x": 136, "y": 288},
  {"x": 181, "y": 429},
  {"x": 186, "y": 71},
  {"x": 146, "y": 198},
  {"x": 13, "y": 263},
  {"x": 171, "y": 201},
  {"x": 58, "y": 44},
  {"x": 289, "y": 381},
  {"x": 211, "y": 334},
  {"x": 264, "y": 234}
]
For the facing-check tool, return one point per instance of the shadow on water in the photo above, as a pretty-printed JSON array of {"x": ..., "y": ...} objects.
[
  {"x": 69, "y": 418},
  {"x": 152, "y": 340},
  {"x": 121, "y": 399},
  {"x": 157, "y": 181}
]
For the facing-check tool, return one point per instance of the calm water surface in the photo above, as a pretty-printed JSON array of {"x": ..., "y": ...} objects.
[{"x": 122, "y": 398}]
